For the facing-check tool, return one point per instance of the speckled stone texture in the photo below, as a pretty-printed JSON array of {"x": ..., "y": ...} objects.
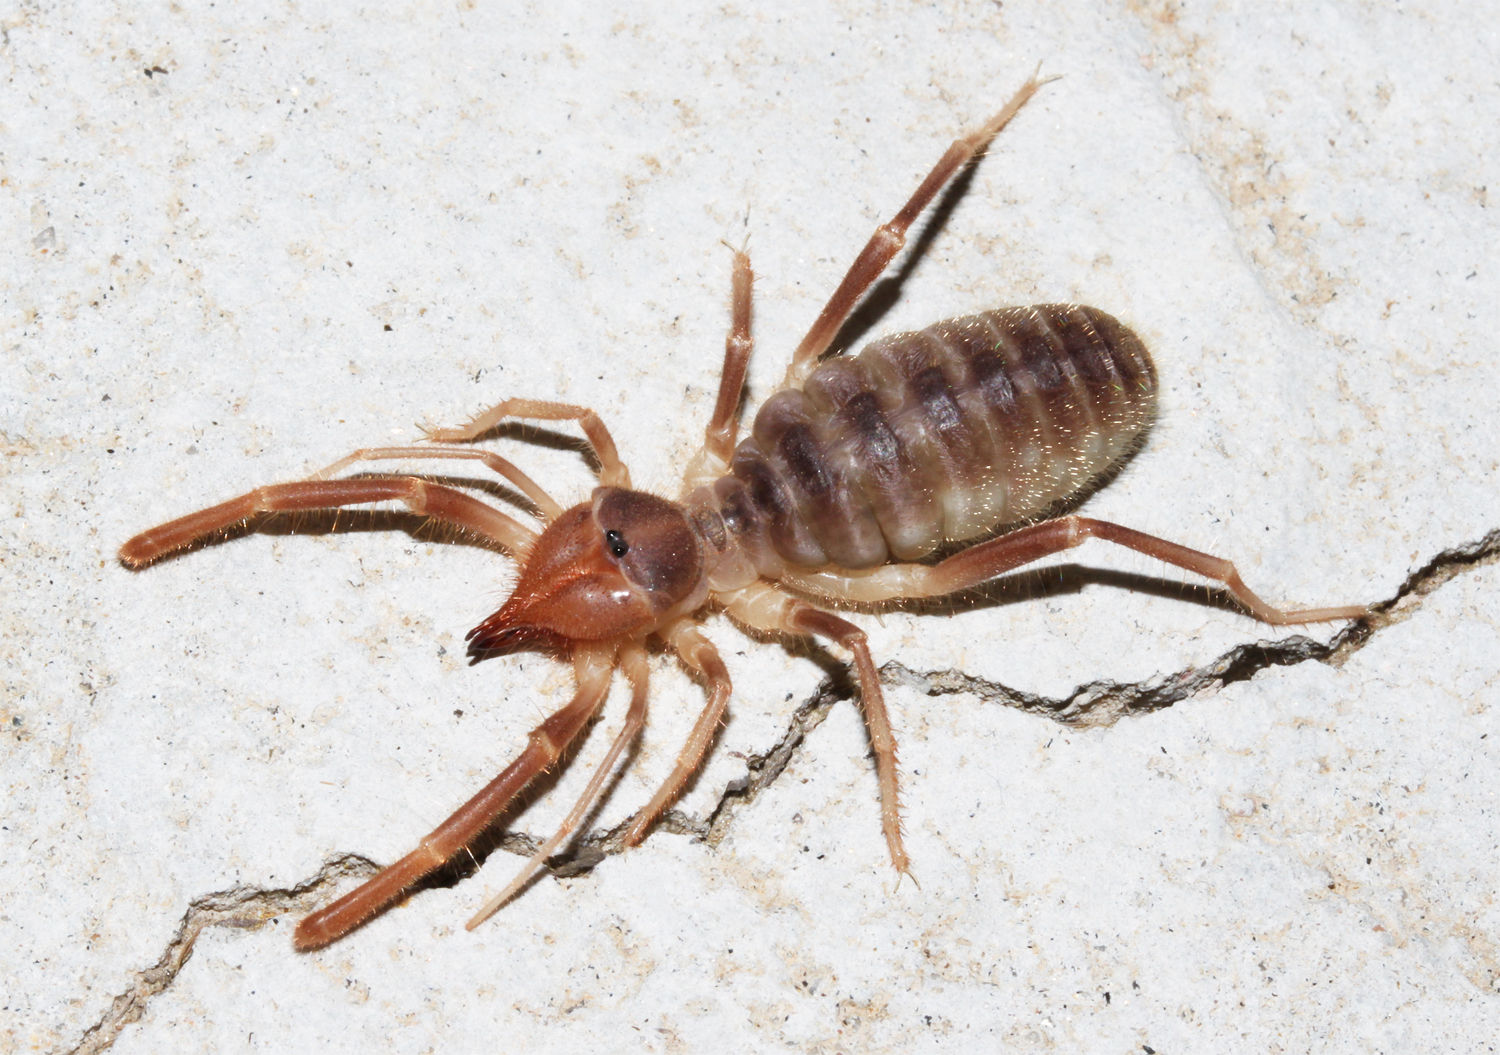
[{"x": 239, "y": 241}]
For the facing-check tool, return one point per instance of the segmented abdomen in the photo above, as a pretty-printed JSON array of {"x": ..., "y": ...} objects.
[{"x": 937, "y": 436}]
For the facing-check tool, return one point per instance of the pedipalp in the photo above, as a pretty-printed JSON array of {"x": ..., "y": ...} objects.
[
  {"x": 438, "y": 501},
  {"x": 546, "y": 744}
]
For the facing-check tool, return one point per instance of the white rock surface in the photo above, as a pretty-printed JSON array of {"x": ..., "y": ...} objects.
[{"x": 241, "y": 240}]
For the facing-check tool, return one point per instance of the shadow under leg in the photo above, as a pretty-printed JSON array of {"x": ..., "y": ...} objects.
[
  {"x": 985, "y": 561},
  {"x": 438, "y": 501},
  {"x": 545, "y": 746}
]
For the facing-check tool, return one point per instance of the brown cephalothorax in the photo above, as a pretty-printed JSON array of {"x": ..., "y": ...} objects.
[{"x": 856, "y": 470}]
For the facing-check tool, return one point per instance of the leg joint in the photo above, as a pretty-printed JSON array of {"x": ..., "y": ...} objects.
[{"x": 543, "y": 740}]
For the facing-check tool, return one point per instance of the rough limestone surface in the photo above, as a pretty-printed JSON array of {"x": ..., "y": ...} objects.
[{"x": 240, "y": 240}]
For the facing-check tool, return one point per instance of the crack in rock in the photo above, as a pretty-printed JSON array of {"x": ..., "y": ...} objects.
[
  {"x": 1093, "y": 704},
  {"x": 1101, "y": 703},
  {"x": 1096, "y": 703},
  {"x": 243, "y": 907}
]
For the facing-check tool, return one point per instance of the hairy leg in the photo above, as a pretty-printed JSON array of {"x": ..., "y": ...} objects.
[
  {"x": 764, "y": 607},
  {"x": 545, "y": 746},
  {"x": 612, "y": 471},
  {"x": 890, "y": 236},
  {"x": 502, "y": 467},
  {"x": 712, "y": 459},
  {"x": 633, "y": 663},
  {"x": 441, "y": 503},
  {"x": 700, "y": 656},
  {"x": 980, "y": 563}
]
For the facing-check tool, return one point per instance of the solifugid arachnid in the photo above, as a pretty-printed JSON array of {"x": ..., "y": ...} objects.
[{"x": 852, "y": 476}]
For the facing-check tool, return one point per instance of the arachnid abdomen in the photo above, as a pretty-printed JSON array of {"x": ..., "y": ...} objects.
[{"x": 936, "y": 436}]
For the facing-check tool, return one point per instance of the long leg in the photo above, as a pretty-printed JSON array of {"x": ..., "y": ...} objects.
[
  {"x": 633, "y": 663},
  {"x": 699, "y": 654},
  {"x": 719, "y": 436},
  {"x": 983, "y": 562},
  {"x": 712, "y": 459},
  {"x": 437, "y": 501},
  {"x": 546, "y": 744},
  {"x": 766, "y": 608},
  {"x": 612, "y": 471},
  {"x": 502, "y": 467},
  {"x": 889, "y": 237}
]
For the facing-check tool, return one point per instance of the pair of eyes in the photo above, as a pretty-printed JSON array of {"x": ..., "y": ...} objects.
[{"x": 616, "y": 543}]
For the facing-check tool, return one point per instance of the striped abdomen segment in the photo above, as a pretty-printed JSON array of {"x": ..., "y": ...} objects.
[{"x": 937, "y": 436}]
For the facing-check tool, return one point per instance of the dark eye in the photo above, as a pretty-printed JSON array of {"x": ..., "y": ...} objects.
[{"x": 616, "y": 543}]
